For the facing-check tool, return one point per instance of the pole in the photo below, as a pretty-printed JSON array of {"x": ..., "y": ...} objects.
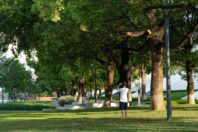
[
  {"x": 139, "y": 93},
  {"x": 168, "y": 80},
  {"x": 95, "y": 86},
  {"x": 2, "y": 96}
]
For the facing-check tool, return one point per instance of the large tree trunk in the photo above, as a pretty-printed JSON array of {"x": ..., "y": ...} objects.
[
  {"x": 157, "y": 100},
  {"x": 143, "y": 80},
  {"x": 190, "y": 82},
  {"x": 124, "y": 67},
  {"x": 110, "y": 78},
  {"x": 124, "y": 71},
  {"x": 156, "y": 43}
]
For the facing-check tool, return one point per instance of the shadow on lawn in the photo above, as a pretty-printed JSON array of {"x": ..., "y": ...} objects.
[
  {"x": 100, "y": 110},
  {"x": 101, "y": 124},
  {"x": 186, "y": 108},
  {"x": 7, "y": 114}
]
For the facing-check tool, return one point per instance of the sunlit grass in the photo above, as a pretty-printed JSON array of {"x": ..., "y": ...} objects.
[{"x": 185, "y": 118}]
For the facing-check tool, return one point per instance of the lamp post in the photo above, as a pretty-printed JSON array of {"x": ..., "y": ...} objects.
[
  {"x": 2, "y": 96},
  {"x": 95, "y": 86},
  {"x": 168, "y": 80}
]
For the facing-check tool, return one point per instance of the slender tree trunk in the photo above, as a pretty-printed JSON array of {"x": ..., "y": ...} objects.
[
  {"x": 81, "y": 94},
  {"x": 90, "y": 89},
  {"x": 190, "y": 82},
  {"x": 110, "y": 78},
  {"x": 157, "y": 99},
  {"x": 58, "y": 94},
  {"x": 2, "y": 96},
  {"x": 25, "y": 98},
  {"x": 14, "y": 95},
  {"x": 143, "y": 80},
  {"x": 99, "y": 88}
]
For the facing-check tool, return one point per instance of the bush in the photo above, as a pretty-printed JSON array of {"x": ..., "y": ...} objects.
[
  {"x": 65, "y": 100},
  {"x": 26, "y": 105}
]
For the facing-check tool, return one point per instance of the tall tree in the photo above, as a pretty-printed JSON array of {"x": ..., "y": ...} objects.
[{"x": 14, "y": 78}]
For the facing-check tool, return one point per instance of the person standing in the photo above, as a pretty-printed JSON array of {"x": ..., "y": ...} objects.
[{"x": 123, "y": 99}]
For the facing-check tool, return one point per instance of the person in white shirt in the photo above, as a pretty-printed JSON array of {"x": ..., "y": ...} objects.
[{"x": 123, "y": 99}]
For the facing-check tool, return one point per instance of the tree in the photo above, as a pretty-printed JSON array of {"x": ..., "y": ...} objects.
[
  {"x": 114, "y": 23},
  {"x": 14, "y": 78}
]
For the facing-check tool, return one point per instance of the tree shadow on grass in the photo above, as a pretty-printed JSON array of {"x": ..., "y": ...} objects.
[
  {"x": 100, "y": 124},
  {"x": 186, "y": 108},
  {"x": 99, "y": 110},
  {"x": 29, "y": 114}
]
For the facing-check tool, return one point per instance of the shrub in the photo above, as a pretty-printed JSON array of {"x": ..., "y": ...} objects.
[
  {"x": 27, "y": 105},
  {"x": 65, "y": 100}
]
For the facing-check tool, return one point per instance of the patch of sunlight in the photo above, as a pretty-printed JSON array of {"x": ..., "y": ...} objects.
[{"x": 84, "y": 28}]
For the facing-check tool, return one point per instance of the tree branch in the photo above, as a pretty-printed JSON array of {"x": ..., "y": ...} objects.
[
  {"x": 100, "y": 61},
  {"x": 185, "y": 39}
]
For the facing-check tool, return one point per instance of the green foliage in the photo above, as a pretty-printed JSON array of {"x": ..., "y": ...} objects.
[
  {"x": 27, "y": 105},
  {"x": 48, "y": 10},
  {"x": 68, "y": 35},
  {"x": 14, "y": 78},
  {"x": 16, "y": 23},
  {"x": 65, "y": 100}
]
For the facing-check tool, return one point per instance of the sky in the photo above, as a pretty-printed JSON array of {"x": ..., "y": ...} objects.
[
  {"x": 177, "y": 83},
  {"x": 22, "y": 59}
]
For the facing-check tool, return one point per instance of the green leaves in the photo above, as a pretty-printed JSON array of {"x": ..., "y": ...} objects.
[
  {"x": 14, "y": 77},
  {"x": 48, "y": 10}
]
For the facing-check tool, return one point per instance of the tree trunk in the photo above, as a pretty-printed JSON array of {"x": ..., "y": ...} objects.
[
  {"x": 2, "y": 96},
  {"x": 143, "y": 80},
  {"x": 190, "y": 82},
  {"x": 58, "y": 94},
  {"x": 124, "y": 71},
  {"x": 81, "y": 94},
  {"x": 99, "y": 88},
  {"x": 110, "y": 78},
  {"x": 157, "y": 99},
  {"x": 90, "y": 89},
  {"x": 124, "y": 67},
  {"x": 79, "y": 97},
  {"x": 131, "y": 79}
]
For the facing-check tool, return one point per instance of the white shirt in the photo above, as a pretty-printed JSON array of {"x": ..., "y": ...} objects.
[{"x": 123, "y": 94}]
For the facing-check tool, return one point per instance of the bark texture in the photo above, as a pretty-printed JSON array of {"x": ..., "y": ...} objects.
[
  {"x": 157, "y": 99},
  {"x": 190, "y": 82},
  {"x": 143, "y": 78},
  {"x": 110, "y": 78}
]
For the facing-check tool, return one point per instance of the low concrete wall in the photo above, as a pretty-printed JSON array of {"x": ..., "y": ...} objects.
[
  {"x": 100, "y": 105},
  {"x": 70, "y": 107},
  {"x": 45, "y": 98}
]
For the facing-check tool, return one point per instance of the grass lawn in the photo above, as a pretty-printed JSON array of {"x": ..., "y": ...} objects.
[
  {"x": 185, "y": 118},
  {"x": 176, "y": 95}
]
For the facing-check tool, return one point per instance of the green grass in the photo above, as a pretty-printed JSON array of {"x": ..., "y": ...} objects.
[
  {"x": 176, "y": 95},
  {"x": 27, "y": 105},
  {"x": 185, "y": 118}
]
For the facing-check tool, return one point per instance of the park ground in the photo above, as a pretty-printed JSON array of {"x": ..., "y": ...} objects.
[{"x": 185, "y": 118}]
